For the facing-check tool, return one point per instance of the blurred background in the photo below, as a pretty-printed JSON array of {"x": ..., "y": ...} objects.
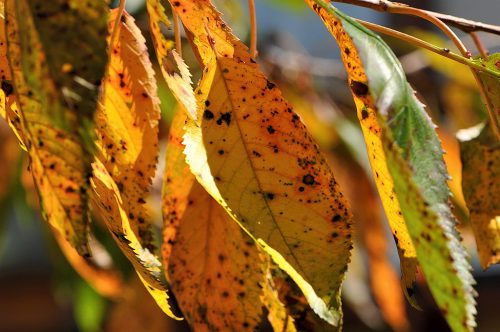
[{"x": 40, "y": 291}]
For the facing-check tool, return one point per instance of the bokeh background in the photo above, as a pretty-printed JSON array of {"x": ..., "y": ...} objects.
[{"x": 39, "y": 291}]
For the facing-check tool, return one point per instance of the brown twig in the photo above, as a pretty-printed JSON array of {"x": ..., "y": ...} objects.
[
  {"x": 479, "y": 45},
  {"x": 177, "y": 33},
  {"x": 457, "y": 22},
  {"x": 114, "y": 32},
  {"x": 398, "y": 8},
  {"x": 423, "y": 44},
  {"x": 253, "y": 29}
]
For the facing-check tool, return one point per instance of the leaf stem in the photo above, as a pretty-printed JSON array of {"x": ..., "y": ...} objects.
[
  {"x": 479, "y": 44},
  {"x": 253, "y": 29},
  {"x": 177, "y": 33},
  {"x": 457, "y": 22},
  {"x": 121, "y": 8},
  {"x": 423, "y": 44},
  {"x": 398, "y": 8}
]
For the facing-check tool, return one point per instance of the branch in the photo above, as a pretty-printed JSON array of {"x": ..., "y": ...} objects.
[
  {"x": 457, "y": 22},
  {"x": 253, "y": 29},
  {"x": 423, "y": 44}
]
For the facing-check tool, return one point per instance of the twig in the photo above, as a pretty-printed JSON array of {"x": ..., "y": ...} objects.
[
  {"x": 177, "y": 33},
  {"x": 423, "y": 44},
  {"x": 253, "y": 29},
  {"x": 479, "y": 44},
  {"x": 457, "y": 22},
  {"x": 121, "y": 8}
]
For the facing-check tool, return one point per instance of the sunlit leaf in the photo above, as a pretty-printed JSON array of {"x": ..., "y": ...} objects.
[
  {"x": 173, "y": 68},
  {"x": 127, "y": 129},
  {"x": 255, "y": 157},
  {"x": 107, "y": 198},
  {"x": 406, "y": 158},
  {"x": 57, "y": 54},
  {"x": 127, "y": 123},
  {"x": 214, "y": 268}
]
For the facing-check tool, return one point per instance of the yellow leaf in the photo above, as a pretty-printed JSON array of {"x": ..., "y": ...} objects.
[
  {"x": 127, "y": 122},
  {"x": 47, "y": 122},
  {"x": 255, "y": 157},
  {"x": 481, "y": 186},
  {"x": 214, "y": 268},
  {"x": 278, "y": 315},
  {"x": 107, "y": 198},
  {"x": 173, "y": 68},
  {"x": 127, "y": 130},
  {"x": 367, "y": 213}
]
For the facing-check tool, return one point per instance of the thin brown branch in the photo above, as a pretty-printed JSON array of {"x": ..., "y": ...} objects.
[
  {"x": 116, "y": 24},
  {"x": 177, "y": 33},
  {"x": 253, "y": 29},
  {"x": 398, "y": 8},
  {"x": 457, "y": 22},
  {"x": 423, "y": 44},
  {"x": 479, "y": 45}
]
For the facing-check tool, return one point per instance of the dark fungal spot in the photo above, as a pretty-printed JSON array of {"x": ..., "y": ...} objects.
[
  {"x": 177, "y": 3},
  {"x": 359, "y": 88},
  {"x": 270, "y": 85},
  {"x": 7, "y": 88},
  {"x": 335, "y": 235},
  {"x": 271, "y": 130},
  {"x": 364, "y": 114},
  {"x": 336, "y": 218},
  {"x": 208, "y": 115},
  {"x": 270, "y": 196},
  {"x": 301, "y": 189},
  {"x": 221, "y": 152},
  {"x": 308, "y": 179},
  {"x": 207, "y": 103},
  {"x": 347, "y": 51},
  {"x": 224, "y": 117}
]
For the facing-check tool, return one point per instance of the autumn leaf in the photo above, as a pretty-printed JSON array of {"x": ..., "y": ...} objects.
[
  {"x": 173, "y": 68},
  {"x": 127, "y": 130},
  {"x": 254, "y": 156},
  {"x": 367, "y": 213},
  {"x": 214, "y": 268},
  {"x": 127, "y": 122},
  {"x": 480, "y": 174},
  {"x": 481, "y": 164},
  {"x": 406, "y": 158},
  {"x": 56, "y": 62},
  {"x": 106, "y": 197}
]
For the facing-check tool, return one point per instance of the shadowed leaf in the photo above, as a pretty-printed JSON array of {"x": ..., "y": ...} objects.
[
  {"x": 213, "y": 266},
  {"x": 407, "y": 163},
  {"x": 55, "y": 102}
]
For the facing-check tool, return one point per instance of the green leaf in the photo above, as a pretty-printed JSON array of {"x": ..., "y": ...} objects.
[{"x": 401, "y": 139}]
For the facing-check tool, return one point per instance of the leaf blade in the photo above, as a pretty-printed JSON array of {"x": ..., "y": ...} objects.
[
  {"x": 224, "y": 98},
  {"x": 406, "y": 137}
]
